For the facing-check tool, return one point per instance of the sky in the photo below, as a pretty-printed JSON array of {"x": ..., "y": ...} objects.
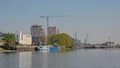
[{"x": 100, "y": 19}]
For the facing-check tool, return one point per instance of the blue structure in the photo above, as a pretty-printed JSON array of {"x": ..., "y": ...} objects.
[{"x": 54, "y": 49}]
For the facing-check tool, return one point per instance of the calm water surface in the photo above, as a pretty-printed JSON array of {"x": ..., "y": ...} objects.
[{"x": 90, "y": 58}]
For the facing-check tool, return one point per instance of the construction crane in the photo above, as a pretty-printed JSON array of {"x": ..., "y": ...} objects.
[
  {"x": 85, "y": 42},
  {"x": 47, "y": 18}
]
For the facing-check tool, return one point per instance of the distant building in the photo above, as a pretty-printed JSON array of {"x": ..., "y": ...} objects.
[
  {"x": 23, "y": 39},
  {"x": 52, "y": 31},
  {"x": 108, "y": 44},
  {"x": 38, "y": 34}
]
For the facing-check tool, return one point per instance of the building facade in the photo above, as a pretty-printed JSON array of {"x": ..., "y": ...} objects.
[
  {"x": 23, "y": 39},
  {"x": 38, "y": 34},
  {"x": 52, "y": 31}
]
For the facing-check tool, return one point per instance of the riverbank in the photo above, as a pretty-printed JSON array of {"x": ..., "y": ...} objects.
[
  {"x": 28, "y": 48},
  {"x": 4, "y": 50}
]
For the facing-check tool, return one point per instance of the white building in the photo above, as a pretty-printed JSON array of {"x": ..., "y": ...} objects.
[{"x": 23, "y": 39}]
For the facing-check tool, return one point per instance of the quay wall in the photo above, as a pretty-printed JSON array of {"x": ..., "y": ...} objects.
[{"x": 26, "y": 48}]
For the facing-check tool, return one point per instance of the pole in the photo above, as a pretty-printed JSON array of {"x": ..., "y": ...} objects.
[
  {"x": 47, "y": 18},
  {"x": 47, "y": 26}
]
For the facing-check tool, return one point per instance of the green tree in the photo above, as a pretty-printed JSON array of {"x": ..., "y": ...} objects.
[
  {"x": 61, "y": 40},
  {"x": 9, "y": 39}
]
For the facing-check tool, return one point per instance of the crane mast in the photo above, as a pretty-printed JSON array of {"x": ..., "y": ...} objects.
[{"x": 47, "y": 18}]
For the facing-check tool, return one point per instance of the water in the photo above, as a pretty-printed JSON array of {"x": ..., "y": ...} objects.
[{"x": 89, "y": 58}]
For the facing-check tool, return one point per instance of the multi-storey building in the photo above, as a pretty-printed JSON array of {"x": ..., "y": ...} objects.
[
  {"x": 38, "y": 34},
  {"x": 52, "y": 31}
]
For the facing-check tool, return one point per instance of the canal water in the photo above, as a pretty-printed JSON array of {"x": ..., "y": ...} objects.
[{"x": 82, "y": 58}]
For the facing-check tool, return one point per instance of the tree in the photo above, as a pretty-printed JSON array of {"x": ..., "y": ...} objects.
[
  {"x": 9, "y": 39},
  {"x": 61, "y": 40}
]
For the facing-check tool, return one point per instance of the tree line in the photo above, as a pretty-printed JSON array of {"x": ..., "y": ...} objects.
[{"x": 61, "y": 40}]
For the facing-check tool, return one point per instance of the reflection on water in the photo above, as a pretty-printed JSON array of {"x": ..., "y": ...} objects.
[
  {"x": 44, "y": 60},
  {"x": 40, "y": 60},
  {"x": 94, "y": 58},
  {"x": 9, "y": 60},
  {"x": 25, "y": 59}
]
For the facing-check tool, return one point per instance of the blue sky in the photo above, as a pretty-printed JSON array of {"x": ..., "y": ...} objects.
[{"x": 97, "y": 18}]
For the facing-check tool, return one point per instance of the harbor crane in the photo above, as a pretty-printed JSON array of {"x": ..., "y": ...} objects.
[
  {"x": 85, "y": 42},
  {"x": 47, "y": 18}
]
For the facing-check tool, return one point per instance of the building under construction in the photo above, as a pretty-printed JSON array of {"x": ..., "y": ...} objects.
[
  {"x": 38, "y": 34},
  {"x": 52, "y": 31}
]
